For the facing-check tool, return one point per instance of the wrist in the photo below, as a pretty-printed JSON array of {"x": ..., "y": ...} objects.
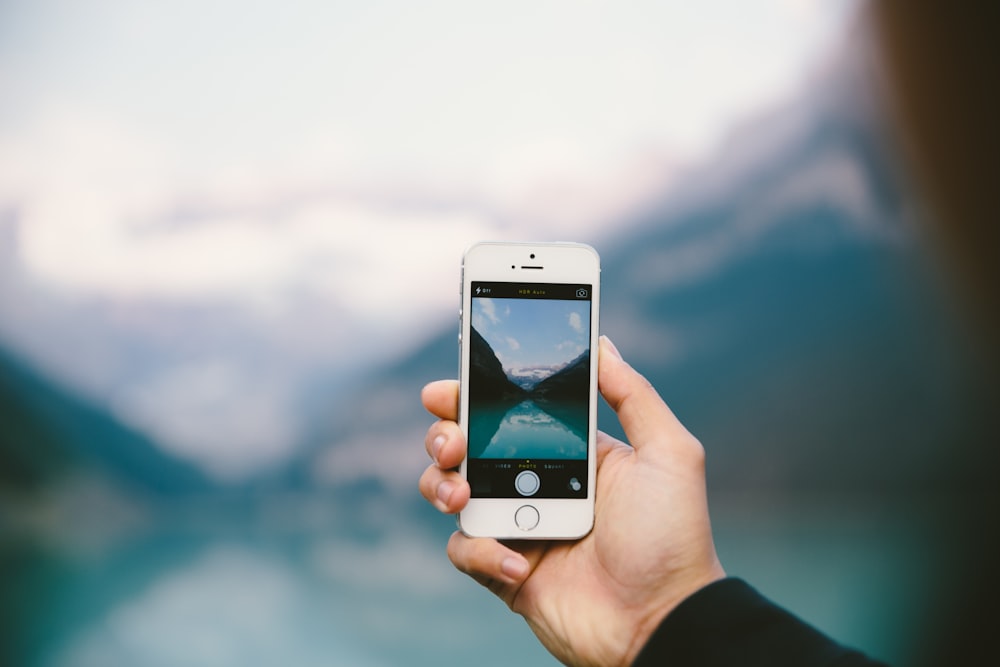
[{"x": 652, "y": 615}]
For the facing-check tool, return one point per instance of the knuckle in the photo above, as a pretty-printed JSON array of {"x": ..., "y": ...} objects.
[
  {"x": 694, "y": 451},
  {"x": 456, "y": 551},
  {"x": 429, "y": 438},
  {"x": 428, "y": 482}
]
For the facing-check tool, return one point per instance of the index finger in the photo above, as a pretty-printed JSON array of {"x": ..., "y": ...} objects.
[{"x": 441, "y": 398}]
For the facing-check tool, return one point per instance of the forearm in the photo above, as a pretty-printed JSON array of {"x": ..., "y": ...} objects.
[{"x": 730, "y": 623}]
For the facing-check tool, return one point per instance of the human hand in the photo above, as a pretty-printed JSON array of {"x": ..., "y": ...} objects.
[{"x": 597, "y": 600}]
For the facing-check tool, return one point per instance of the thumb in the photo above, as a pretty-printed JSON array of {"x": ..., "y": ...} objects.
[{"x": 642, "y": 413}]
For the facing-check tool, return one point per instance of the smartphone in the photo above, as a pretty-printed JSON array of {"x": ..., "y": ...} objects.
[{"x": 528, "y": 399}]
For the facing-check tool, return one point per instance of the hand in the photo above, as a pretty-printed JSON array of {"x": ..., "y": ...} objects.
[{"x": 597, "y": 600}]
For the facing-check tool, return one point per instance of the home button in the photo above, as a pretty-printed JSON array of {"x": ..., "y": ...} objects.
[{"x": 526, "y": 517}]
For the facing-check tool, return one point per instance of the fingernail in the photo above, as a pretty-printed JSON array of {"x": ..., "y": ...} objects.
[
  {"x": 514, "y": 567},
  {"x": 437, "y": 445},
  {"x": 611, "y": 347},
  {"x": 444, "y": 491}
]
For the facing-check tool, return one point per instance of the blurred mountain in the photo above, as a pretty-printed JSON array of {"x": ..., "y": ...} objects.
[
  {"x": 217, "y": 382},
  {"x": 31, "y": 451},
  {"x": 782, "y": 300},
  {"x": 794, "y": 318},
  {"x": 45, "y": 432},
  {"x": 779, "y": 296}
]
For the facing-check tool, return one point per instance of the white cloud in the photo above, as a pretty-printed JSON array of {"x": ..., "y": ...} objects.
[
  {"x": 513, "y": 344},
  {"x": 575, "y": 322},
  {"x": 348, "y": 169},
  {"x": 835, "y": 177},
  {"x": 488, "y": 308},
  {"x": 92, "y": 243},
  {"x": 92, "y": 166}
]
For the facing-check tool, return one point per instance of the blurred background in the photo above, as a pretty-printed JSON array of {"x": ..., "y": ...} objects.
[{"x": 230, "y": 236}]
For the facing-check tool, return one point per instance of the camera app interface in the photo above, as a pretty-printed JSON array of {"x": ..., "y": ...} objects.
[{"x": 529, "y": 391}]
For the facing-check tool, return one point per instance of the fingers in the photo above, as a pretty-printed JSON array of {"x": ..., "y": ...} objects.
[
  {"x": 444, "y": 489},
  {"x": 492, "y": 564},
  {"x": 445, "y": 444},
  {"x": 441, "y": 484},
  {"x": 441, "y": 399},
  {"x": 642, "y": 413}
]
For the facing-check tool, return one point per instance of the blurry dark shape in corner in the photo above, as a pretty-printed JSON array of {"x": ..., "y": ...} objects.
[{"x": 941, "y": 68}]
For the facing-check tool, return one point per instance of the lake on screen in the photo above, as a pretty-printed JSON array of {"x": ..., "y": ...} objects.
[{"x": 527, "y": 431}]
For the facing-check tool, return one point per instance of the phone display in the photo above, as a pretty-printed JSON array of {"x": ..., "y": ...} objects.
[
  {"x": 529, "y": 390},
  {"x": 528, "y": 398}
]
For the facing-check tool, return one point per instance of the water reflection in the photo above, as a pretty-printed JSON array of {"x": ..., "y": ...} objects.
[
  {"x": 227, "y": 586},
  {"x": 529, "y": 429},
  {"x": 228, "y": 589}
]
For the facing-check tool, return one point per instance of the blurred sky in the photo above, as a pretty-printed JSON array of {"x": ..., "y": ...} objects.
[{"x": 216, "y": 198}]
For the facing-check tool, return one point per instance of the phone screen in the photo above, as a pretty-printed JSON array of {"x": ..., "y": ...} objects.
[{"x": 529, "y": 389}]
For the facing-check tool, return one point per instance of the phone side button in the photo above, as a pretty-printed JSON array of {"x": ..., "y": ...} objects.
[{"x": 526, "y": 517}]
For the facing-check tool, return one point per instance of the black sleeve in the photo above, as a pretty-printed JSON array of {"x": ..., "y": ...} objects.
[{"x": 729, "y": 623}]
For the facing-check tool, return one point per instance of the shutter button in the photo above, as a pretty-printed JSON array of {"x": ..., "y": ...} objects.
[{"x": 527, "y": 483}]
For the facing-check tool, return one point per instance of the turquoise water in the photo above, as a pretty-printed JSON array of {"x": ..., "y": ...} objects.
[
  {"x": 305, "y": 580},
  {"x": 308, "y": 580},
  {"x": 527, "y": 431}
]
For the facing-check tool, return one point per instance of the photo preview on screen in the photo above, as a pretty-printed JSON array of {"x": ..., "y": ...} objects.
[{"x": 529, "y": 375}]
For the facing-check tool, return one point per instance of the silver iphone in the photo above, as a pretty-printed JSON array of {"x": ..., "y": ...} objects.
[{"x": 528, "y": 406}]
